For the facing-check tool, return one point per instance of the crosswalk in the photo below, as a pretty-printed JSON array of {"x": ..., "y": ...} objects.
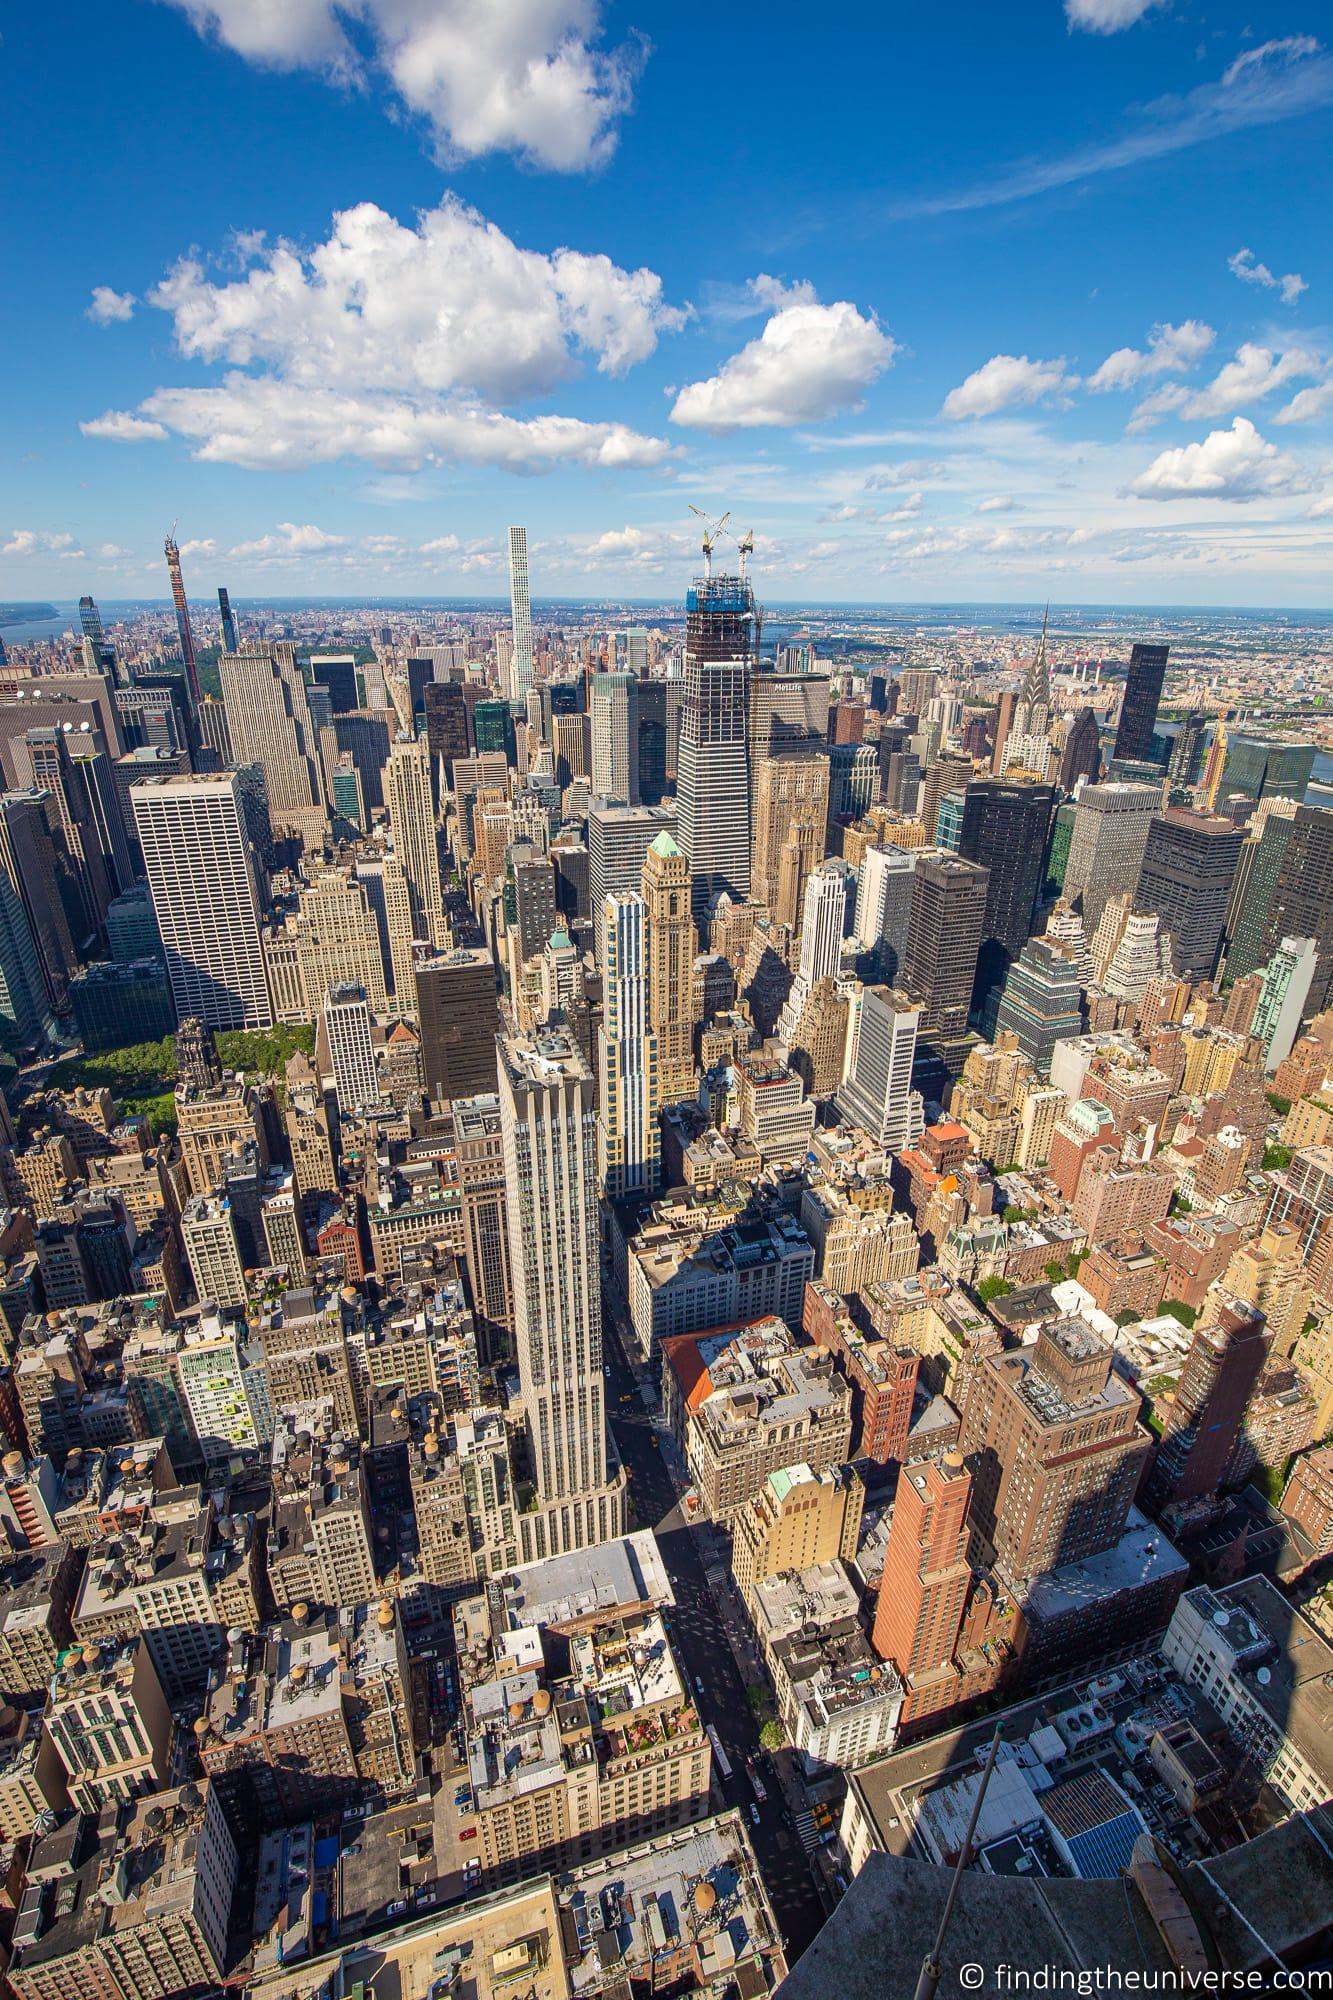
[{"x": 807, "y": 1832}]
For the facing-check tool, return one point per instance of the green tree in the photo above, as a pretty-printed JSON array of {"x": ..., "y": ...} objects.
[
  {"x": 1281, "y": 1105},
  {"x": 993, "y": 1288},
  {"x": 770, "y": 1736},
  {"x": 1278, "y": 1156},
  {"x": 1179, "y": 1310}
]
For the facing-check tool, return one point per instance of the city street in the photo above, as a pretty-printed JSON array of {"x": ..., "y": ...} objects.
[{"x": 701, "y": 1641}]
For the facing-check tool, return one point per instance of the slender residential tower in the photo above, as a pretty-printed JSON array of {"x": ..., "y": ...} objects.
[
  {"x": 230, "y": 640},
  {"x": 185, "y": 635},
  {"x": 520, "y": 668}
]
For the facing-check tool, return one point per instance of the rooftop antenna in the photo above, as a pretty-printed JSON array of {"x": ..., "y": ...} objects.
[
  {"x": 928, "y": 1981},
  {"x": 712, "y": 529}
]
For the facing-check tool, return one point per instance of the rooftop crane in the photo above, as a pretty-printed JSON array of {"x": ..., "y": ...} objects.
[
  {"x": 712, "y": 529},
  {"x": 745, "y": 547}
]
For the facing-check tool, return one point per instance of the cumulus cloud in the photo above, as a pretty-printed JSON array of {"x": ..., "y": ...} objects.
[
  {"x": 909, "y": 510},
  {"x": 1169, "y": 349},
  {"x": 999, "y": 503},
  {"x": 291, "y": 539},
  {"x": 1106, "y": 17},
  {"x": 107, "y": 305},
  {"x": 809, "y": 363},
  {"x": 202, "y": 545},
  {"x": 122, "y": 427},
  {"x": 404, "y": 334},
  {"x": 527, "y": 77},
  {"x": 1254, "y": 373},
  {"x": 1005, "y": 382},
  {"x": 443, "y": 545},
  {"x": 1237, "y": 464},
  {"x": 1244, "y": 266},
  {"x": 39, "y": 542},
  {"x": 1306, "y": 404}
]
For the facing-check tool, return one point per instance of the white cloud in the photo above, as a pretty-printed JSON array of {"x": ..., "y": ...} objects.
[
  {"x": 1244, "y": 266},
  {"x": 1169, "y": 348},
  {"x": 443, "y": 545},
  {"x": 202, "y": 545},
  {"x": 1254, "y": 373},
  {"x": 809, "y": 363},
  {"x": 269, "y": 425},
  {"x": 772, "y": 294},
  {"x": 1106, "y": 17},
  {"x": 1237, "y": 464},
  {"x": 1281, "y": 52},
  {"x": 999, "y": 503},
  {"x": 388, "y": 342},
  {"x": 524, "y": 77},
  {"x": 909, "y": 510},
  {"x": 121, "y": 427},
  {"x": 1306, "y": 404},
  {"x": 1007, "y": 381},
  {"x": 38, "y": 542},
  {"x": 291, "y": 539},
  {"x": 111, "y": 551},
  {"x": 884, "y": 478},
  {"x": 108, "y": 305},
  {"x": 1321, "y": 509}
]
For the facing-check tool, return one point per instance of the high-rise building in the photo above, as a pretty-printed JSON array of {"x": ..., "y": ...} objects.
[
  {"x": 878, "y": 1093},
  {"x": 269, "y": 724},
  {"x": 790, "y": 819},
  {"x": 1005, "y": 825},
  {"x": 615, "y": 738},
  {"x": 1255, "y": 886},
  {"x": 549, "y": 1127},
  {"x": 665, "y": 889},
  {"x": 884, "y": 907},
  {"x": 1106, "y": 845},
  {"x": 713, "y": 786},
  {"x": 1302, "y": 904},
  {"x": 1189, "y": 864},
  {"x": 1264, "y": 767},
  {"x": 628, "y": 1139},
  {"x": 944, "y": 937},
  {"x": 182, "y": 608},
  {"x": 230, "y": 637},
  {"x": 407, "y": 790},
  {"x": 39, "y": 873},
  {"x": 1040, "y": 1001},
  {"x": 1283, "y": 1000},
  {"x": 1203, "y": 1420},
  {"x": 458, "y": 1014},
  {"x": 1082, "y": 754},
  {"x": 520, "y": 665},
  {"x": 1138, "y": 710},
  {"x": 203, "y": 873},
  {"x": 445, "y": 710},
  {"x": 351, "y": 1048},
  {"x": 618, "y": 841},
  {"x": 26, "y": 1020},
  {"x": 923, "y": 1592}
]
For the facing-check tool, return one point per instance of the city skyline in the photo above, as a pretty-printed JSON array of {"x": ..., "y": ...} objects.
[{"x": 937, "y": 361}]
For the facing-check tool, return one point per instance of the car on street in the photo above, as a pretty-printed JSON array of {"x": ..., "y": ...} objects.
[{"x": 754, "y": 1814}]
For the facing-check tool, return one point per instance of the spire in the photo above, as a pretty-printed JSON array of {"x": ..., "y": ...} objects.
[{"x": 1037, "y": 683}]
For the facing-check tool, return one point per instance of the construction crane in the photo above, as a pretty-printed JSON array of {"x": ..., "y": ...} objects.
[
  {"x": 745, "y": 548},
  {"x": 712, "y": 529}
]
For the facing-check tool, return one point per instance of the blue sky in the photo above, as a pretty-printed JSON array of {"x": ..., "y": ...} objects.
[{"x": 995, "y": 303}]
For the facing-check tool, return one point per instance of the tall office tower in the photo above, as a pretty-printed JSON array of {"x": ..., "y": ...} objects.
[
  {"x": 884, "y": 907},
  {"x": 1040, "y": 1001},
  {"x": 520, "y": 664},
  {"x": 1138, "y": 710},
  {"x": 1302, "y": 904},
  {"x": 878, "y": 1094},
  {"x": 1053, "y": 1440},
  {"x": 89, "y": 871},
  {"x": 713, "y": 788},
  {"x": 204, "y": 875},
  {"x": 182, "y": 608},
  {"x": 615, "y": 738},
  {"x": 458, "y": 1016},
  {"x": 1255, "y": 886},
  {"x": 99, "y": 654},
  {"x": 493, "y": 729},
  {"x": 665, "y": 889},
  {"x": 337, "y": 673},
  {"x": 26, "y": 1021},
  {"x": 269, "y": 724},
  {"x": 923, "y": 1592},
  {"x": 1203, "y": 1420},
  {"x": 549, "y": 1129},
  {"x": 636, "y": 652},
  {"x": 407, "y": 794},
  {"x": 445, "y": 707},
  {"x": 790, "y": 825},
  {"x": 1082, "y": 753},
  {"x": 570, "y": 733},
  {"x": 953, "y": 771},
  {"x": 530, "y": 904},
  {"x": 823, "y": 922},
  {"x": 788, "y": 715},
  {"x": 1185, "y": 763},
  {"x": 629, "y": 1149},
  {"x": 618, "y": 841},
  {"x": 481, "y": 1178},
  {"x": 351, "y": 1048},
  {"x": 1106, "y": 846},
  {"x": 1282, "y": 1002},
  {"x": 214, "y": 733},
  {"x": 38, "y": 873},
  {"x": 940, "y": 964},
  {"x": 231, "y": 642},
  {"x": 652, "y": 749},
  {"x": 1005, "y": 826},
  {"x": 1189, "y": 865}
]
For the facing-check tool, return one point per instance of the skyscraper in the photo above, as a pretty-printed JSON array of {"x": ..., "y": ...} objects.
[
  {"x": 1106, "y": 845},
  {"x": 351, "y": 1049},
  {"x": 713, "y": 788},
  {"x": 923, "y": 1592},
  {"x": 268, "y": 723},
  {"x": 1302, "y": 904},
  {"x": 549, "y": 1129},
  {"x": 1225, "y": 1360},
  {"x": 878, "y": 1093},
  {"x": 1039, "y": 1001},
  {"x": 99, "y": 655},
  {"x": 34, "y": 861},
  {"x": 1138, "y": 710},
  {"x": 628, "y": 1099},
  {"x": 940, "y": 964},
  {"x": 203, "y": 873},
  {"x": 1189, "y": 865},
  {"x": 615, "y": 738},
  {"x": 1005, "y": 825},
  {"x": 457, "y": 1014},
  {"x": 407, "y": 793},
  {"x": 884, "y": 907},
  {"x": 230, "y": 638},
  {"x": 1082, "y": 754},
  {"x": 1255, "y": 886},
  {"x": 790, "y": 817},
  {"x": 182, "y": 608},
  {"x": 665, "y": 889},
  {"x": 824, "y": 918},
  {"x": 520, "y": 666}
]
